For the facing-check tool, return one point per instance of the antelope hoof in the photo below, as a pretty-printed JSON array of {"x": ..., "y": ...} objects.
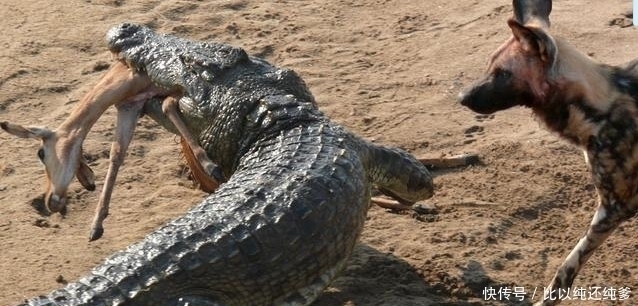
[
  {"x": 215, "y": 172},
  {"x": 96, "y": 233}
]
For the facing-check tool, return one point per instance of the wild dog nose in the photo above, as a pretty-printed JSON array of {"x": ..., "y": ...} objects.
[{"x": 55, "y": 203}]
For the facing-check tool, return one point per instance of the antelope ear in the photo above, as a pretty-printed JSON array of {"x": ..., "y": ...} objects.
[
  {"x": 26, "y": 132},
  {"x": 85, "y": 176},
  {"x": 534, "y": 40}
]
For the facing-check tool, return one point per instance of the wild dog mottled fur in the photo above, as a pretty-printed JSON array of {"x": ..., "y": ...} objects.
[{"x": 592, "y": 105}]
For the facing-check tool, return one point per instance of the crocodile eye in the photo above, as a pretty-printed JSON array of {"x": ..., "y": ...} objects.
[{"x": 41, "y": 154}]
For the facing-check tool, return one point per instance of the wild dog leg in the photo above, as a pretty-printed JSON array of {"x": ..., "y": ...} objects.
[
  {"x": 212, "y": 171},
  {"x": 127, "y": 116},
  {"x": 605, "y": 221}
]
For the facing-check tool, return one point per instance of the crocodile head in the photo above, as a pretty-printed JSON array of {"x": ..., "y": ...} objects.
[{"x": 172, "y": 62}]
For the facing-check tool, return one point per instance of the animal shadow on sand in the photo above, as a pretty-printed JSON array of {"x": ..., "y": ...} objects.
[
  {"x": 382, "y": 279},
  {"x": 39, "y": 206}
]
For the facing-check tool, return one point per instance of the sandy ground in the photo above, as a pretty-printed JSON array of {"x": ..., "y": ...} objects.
[{"x": 389, "y": 70}]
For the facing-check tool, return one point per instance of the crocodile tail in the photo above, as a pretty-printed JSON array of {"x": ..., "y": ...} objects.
[{"x": 398, "y": 173}]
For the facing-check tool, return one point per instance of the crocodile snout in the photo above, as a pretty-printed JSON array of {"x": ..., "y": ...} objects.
[{"x": 126, "y": 35}]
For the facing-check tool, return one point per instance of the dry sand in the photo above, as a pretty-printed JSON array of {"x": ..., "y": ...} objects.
[{"x": 389, "y": 70}]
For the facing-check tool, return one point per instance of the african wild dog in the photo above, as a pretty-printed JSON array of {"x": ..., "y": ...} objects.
[{"x": 592, "y": 105}]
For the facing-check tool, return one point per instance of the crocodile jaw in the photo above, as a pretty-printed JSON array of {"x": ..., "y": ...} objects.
[
  {"x": 145, "y": 51},
  {"x": 174, "y": 63}
]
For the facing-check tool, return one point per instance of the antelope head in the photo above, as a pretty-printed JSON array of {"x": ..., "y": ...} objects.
[{"x": 62, "y": 159}]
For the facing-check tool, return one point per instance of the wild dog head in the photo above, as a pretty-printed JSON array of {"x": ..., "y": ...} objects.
[{"x": 520, "y": 70}]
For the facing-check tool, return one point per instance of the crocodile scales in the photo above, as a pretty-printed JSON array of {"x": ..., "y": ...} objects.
[{"x": 287, "y": 220}]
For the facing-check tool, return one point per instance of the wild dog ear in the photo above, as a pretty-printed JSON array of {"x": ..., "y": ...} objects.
[
  {"x": 535, "y": 40},
  {"x": 529, "y": 12}
]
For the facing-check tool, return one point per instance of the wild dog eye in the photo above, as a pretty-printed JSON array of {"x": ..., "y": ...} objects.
[
  {"x": 41, "y": 154},
  {"x": 502, "y": 74}
]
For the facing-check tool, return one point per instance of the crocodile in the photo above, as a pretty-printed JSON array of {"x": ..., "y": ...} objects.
[{"x": 288, "y": 218}]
